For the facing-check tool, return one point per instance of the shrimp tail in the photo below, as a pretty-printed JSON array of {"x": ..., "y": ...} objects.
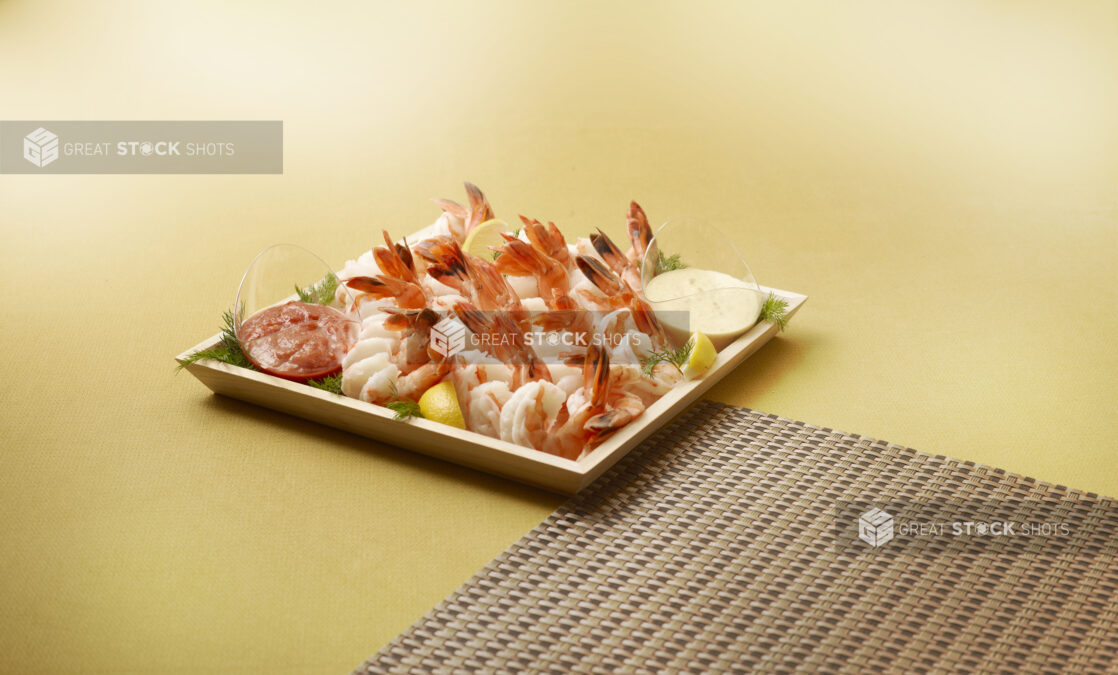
[
  {"x": 480, "y": 211},
  {"x": 640, "y": 233},
  {"x": 434, "y": 249},
  {"x": 395, "y": 259},
  {"x": 417, "y": 319},
  {"x": 408, "y": 295},
  {"x": 516, "y": 259},
  {"x": 476, "y": 320},
  {"x": 535, "y": 369},
  {"x": 548, "y": 240},
  {"x": 522, "y": 259},
  {"x": 452, "y": 207},
  {"x": 403, "y": 253},
  {"x": 599, "y": 275},
  {"x": 380, "y": 286},
  {"x": 448, "y": 264},
  {"x": 601, "y": 427},
  {"x": 595, "y": 375},
  {"x": 493, "y": 291},
  {"x": 609, "y": 251},
  {"x": 450, "y": 274}
]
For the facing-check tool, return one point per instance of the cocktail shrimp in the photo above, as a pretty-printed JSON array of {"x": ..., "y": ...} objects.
[
  {"x": 618, "y": 261},
  {"x": 398, "y": 278},
  {"x": 462, "y": 220},
  {"x": 504, "y": 340},
  {"x": 415, "y": 344},
  {"x": 616, "y": 293},
  {"x": 520, "y": 259},
  {"x": 592, "y": 413},
  {"x": 640, "y": 233},
  {"x": 474, "y": 279},
  {"x": 626, "y": 265},
  {"x": 484, "y": 405},
  {"x": 548, "y": 240}
]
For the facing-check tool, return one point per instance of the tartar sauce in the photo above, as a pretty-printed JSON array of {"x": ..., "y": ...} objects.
[{"x": 715, "y": 303}]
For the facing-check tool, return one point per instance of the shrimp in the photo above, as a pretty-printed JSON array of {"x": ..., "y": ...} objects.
[
  {"x": 619, "y": 262},
  {"x": 461, "y": 220},
  {"x": 364, "y": 266},
  {"x": 482, "y": 389},
  {"x": 484, "y": 405},
  {"x": 446, "y": 303},
  {"x": 565, "y": 315},
  {"x": 456, "y": 216},
  {"x": 528, "y": 414},
  {"x": 473, "y": 278},
  {"x": 632, "y": 379},
  {"x": 412, "y": 385},
  {"x": 373, "y": 326},
  {"x": 583, "y": 246},
  {"x": 382, "y": 366},
  {"x": 395, "y": 260},
  {"x": 622, "y": 408},
  {"x": 506, "y": 390},
  {"x": 593, "y": 413},
  {"x": 548, "y": 240},
  {"x": 446, "y": 264},
  {"x": 408, "y": 295},
  {"x": 640, "y": 233},
  {"x": 398, "y": 278},
  {"x": 626, "y": 265},
  {"x": 629, "y": 345},
  {"x": 521, "y": 259},
  {"x": 619, "y": 294},
  {"x": 415, "y": 345},
  {"x": 505, "y": 342},
  {"x": 377, "y": 379},
  {"x": 366, "y": 348},
  {"x": 494, "y": 292},
  {"x": 371, "y": 379}
]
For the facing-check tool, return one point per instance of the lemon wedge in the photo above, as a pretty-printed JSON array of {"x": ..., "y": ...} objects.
[
  {"x": 702, "y": 355},
  {"x": 485, "y": 235},
  {"x": 440, "y": 403}
]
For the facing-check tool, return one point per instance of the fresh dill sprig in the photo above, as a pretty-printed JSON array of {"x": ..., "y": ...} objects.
[
  {"x": 227, "y": 349},
  {"x": 404, "y": 408},
  {"x": 321, "y": 293},
  {"x": 667, "y": 263},
  {"x": 775, "y": 310},
  {"x": 330, "y": 383},
  {"x": 677, "y": 357}
]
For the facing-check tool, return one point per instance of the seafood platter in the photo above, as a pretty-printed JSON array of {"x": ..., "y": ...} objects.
[{"x": 500, "y": 345}]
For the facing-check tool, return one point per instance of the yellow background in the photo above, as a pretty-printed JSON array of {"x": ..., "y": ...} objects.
[{"x": 939, "y": 177}]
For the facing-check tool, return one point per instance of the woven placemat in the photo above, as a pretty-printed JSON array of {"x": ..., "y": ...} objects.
[{"x": 722, "y": 544}]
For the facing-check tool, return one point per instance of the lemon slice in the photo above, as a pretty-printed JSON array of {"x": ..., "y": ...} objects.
[
  {"x": 702, "y": 355},
  {"x": 440, "y": 403},
  {"x": 483, "y": 236}
]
